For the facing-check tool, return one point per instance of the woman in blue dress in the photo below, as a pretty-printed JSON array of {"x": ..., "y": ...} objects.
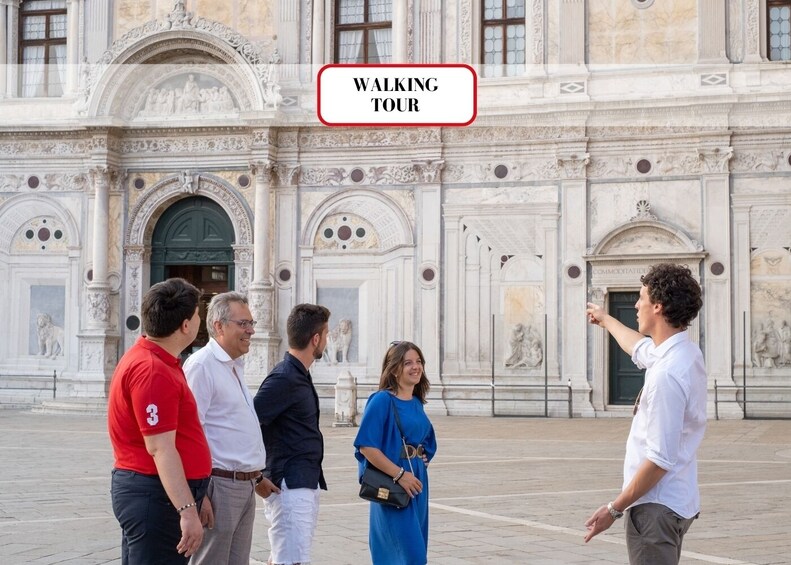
[{"x": 399, "y": 536}]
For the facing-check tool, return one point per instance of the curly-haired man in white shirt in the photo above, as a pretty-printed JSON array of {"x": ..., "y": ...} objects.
[{"x": 660, "y": 495}]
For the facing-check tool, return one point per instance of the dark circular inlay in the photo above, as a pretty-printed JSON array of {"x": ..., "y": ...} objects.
[
  {"x": 244, "y": 181},
  {"x": 284, "y": 275},
  {"x": 360, "y": 232},
  {"x": 789, "y": 158},
  {"x": 343, "y": 247},
  {"x": 357, "y": 175},
  {"x": 428, "y": 275},
  {"x": 574, "y": 272},
  {"x": 139, "y": 183},
  {"x": 43, "y": 234},
  {"x": 344, "y": 233},
  {"x": 503, "y": 258},
  {"x": 717, "y": 268},
  {"x": 43, "y": 247},
  {"x": 33, "y": 182},
  {"x": 500, "y": 171},
  {"x": 43, "y": 221},
  {"x": 132, "y": 322},
  {"x": 58, "y": 234},
  {"x": 643, "y": 166},
  {"x": 328, "y": 233},
  {"x": 30, "y": 234},
  {"x": 89, "y": 276}
]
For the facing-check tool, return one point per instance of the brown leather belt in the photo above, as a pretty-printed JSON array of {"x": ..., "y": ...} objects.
[
  {"x": 412, "y": 451},
  {"x": 236, "y": 475}
]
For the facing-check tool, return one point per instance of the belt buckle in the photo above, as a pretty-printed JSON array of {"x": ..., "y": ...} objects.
[{"x": 411, "y": 451}]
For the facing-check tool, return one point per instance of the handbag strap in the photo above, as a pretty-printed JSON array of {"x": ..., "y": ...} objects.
[{"x": 401, "y": 431}]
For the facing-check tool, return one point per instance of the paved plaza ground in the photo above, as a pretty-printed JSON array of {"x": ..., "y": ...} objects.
[{"x": 503, "y": 490}]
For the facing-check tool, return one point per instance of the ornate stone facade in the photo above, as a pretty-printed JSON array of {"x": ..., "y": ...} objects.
[{"x": 603, "y": 155}]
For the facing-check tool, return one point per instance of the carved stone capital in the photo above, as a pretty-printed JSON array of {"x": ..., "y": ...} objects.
[
  {"x": 429, "y": 171},
  {"x": 715, "y": 160},
  {"x": 287, "y": 173},
  {"x": 573, "y": 165},
  {"x": 262, "y": 170}
]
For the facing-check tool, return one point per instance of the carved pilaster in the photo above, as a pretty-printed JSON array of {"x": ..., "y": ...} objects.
[
  {"x": 572, "y": 32},
  {"x": 752, "y": 31},
  {"x": 711, "y": 31},
  {"x": 265, "y": 342},
  {"x": 262, "y": 170},
  {"x": 534, "y": 57},
  {"x": 98, "y": 356},
  {"x": 3, "y": 49}
]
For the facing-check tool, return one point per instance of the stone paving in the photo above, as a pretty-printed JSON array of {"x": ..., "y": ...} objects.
[{"x": 503, "y": 490}]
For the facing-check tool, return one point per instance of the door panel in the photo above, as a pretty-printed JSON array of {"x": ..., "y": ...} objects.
[{"x": 625, "y": 379}]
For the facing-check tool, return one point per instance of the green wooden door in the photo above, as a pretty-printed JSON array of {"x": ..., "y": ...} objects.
[
  {"x": 626, "y": 379},
  {"x": 194, "y": 239}
]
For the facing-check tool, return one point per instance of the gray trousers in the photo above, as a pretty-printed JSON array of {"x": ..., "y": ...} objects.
[
  {"x": 234, "y": 511},
  {"x": 654, "y": 534}
]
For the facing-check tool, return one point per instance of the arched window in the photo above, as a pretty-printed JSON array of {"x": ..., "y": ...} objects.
[
  {"x": 42, "y": 47},
  {"x": 363, "y": 31}
]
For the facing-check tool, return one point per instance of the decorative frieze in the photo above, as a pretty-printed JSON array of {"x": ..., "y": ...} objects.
[
  {"x": 384, "y": 137},
  {"x": 756, "y": 161},
  {"x": 191, "y": 145}
]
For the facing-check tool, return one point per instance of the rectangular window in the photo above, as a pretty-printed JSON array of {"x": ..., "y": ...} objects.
[
  {"x": 503, "y": 37},
  {"x": 778, "y": 30},
  {"x": 42, "y": 47},
  {"x": 363, "y": 31}
]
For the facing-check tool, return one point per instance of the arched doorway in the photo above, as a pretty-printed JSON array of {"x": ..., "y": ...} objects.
[{"x": 193, "y": 239}]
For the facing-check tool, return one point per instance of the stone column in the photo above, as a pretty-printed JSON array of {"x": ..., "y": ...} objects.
[
  {"x": 72, "y": 45},
  {"x": 317, "y": 49},
  {"x": 264, "y": 344},
  {"x": 3, "y": 49},
  {"x": 428, "y": 197},
  {"x": 711, "y": 31},
  {"x": 454, "y": 253},
  {"x": 430, "y": 26},
  {"x": 98, "y": 344},
  {"x": 717, "y": 316},
  {"x": 574, "y": 220},
  {"x": 741, "y": 282},
  {"x": 549, "y": 224},
  {"x": 399, "y": 34},
  {"x": 572, "y": 32}
]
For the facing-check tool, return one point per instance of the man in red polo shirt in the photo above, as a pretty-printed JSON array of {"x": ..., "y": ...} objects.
[{"x": 162, "y": 459}]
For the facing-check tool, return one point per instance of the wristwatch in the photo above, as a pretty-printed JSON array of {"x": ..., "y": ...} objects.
[{"x": 613, "y": 512}]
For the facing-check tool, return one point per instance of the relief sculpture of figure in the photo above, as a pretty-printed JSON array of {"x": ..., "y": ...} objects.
[
  {"x": 785, "y": 342},
  {"x": 767, "y": 346},
  {"x": 526, "y": 350},
  {"x": 338, "y": 342},
  {"x": 517, "y": 343},
  {"x": 50, "y": 337}
]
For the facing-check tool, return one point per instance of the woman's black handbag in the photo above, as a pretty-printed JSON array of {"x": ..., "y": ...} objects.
[
  {"x": 377, "y": 486},
  {"x": 380, "y": 487}
]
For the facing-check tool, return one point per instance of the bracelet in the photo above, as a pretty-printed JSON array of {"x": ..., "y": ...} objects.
[
  {"x": 183, "y": 508},
  {"x": 399, "y": 475}
]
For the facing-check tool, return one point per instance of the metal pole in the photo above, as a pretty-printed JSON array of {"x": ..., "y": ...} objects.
[
  {"x": 744, "y": 363},
  {"x": 54, "y": 383},
  {"x": 716, "y": 408},
  {"x": 571, "y": 414},
  {"x": 546, "y": 373},
  {"x": 492, "y": 357}
]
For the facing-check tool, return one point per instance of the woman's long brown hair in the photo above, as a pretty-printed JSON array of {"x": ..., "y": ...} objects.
[{"x": 393, "y": 364}]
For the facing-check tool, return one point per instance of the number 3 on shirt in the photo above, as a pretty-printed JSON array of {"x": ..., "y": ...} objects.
[{"x": 153, "y": 417}]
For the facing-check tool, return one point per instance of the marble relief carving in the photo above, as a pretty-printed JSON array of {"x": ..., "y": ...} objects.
[
  {"x": 98, "y": 305},
  {"x": 771, "y": 345},
  {"x": 339, "y": 340},
  {"x": 188, "y": 100},
  {"x": 50, "y": 337},
  {"x": 525, "y": 347},
  {"x": 747, "y": 161},
  {"x": 384, "y": 137}
]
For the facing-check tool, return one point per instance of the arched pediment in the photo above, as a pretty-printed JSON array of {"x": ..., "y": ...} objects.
[
  {"x": 156, "y": 200},
  {"x": 645, "y": 237},
  {"x": 377, "y": 210},
  {"x": 17, "y": 211},
  {"x": 152, "y": 56}
]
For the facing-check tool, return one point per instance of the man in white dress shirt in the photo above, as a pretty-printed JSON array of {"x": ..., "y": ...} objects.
[
  {"x": 215, "y": 375},
  {"x": 660, "y": 495}
]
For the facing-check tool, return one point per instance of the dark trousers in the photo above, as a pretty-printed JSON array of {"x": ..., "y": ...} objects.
[
  {"x": 150, "y": 525},
  {"x": 654, "y": 534}
]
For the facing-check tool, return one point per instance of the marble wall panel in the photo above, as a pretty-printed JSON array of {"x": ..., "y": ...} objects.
[
  {"x": 217, "y": 11},
  {"x": 619, "y": 33},
  {"x": 344, "y": 304},
  {"x": 676, "y": 202},
  {"x": 45, "y": 299},
  {"x": 523, "y": 305},
  {"x": 255, "y": 19},
  {"x": 130, "y": 14}
]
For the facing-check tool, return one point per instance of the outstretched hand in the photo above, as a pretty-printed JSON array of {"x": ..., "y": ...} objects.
[
  {"x": 596, "y": 314},
  {"x": 598, "y": 522}
]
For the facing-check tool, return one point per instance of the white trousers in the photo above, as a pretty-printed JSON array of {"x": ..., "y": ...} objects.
[{"x": 293, "y": 515}]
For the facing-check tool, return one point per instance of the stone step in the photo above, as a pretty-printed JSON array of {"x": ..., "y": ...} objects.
[{"x": 77, "y": 406}]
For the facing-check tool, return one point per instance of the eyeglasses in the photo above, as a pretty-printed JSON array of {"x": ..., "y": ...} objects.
[{"x": 244, "y": 324}]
